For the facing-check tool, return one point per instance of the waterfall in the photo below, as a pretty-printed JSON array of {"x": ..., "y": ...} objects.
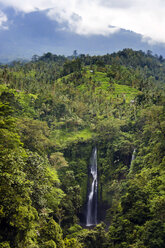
[
  {"x": 91, "y": 218},
  {"x": 133, "y": 156},
  {"x": 132, "y": 159}
]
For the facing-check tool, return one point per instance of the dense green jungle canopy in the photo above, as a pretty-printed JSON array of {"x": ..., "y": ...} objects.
[{"x": 53, "y": 111}]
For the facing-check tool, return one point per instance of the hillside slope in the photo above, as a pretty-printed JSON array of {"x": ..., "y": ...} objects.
[{"x": 53, "y": 112}]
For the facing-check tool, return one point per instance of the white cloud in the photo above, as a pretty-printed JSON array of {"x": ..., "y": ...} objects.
[
  {"x": 3, "y": 20},
  {"x": 87, "y": 17}
]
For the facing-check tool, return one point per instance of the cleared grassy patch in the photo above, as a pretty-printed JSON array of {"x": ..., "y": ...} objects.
[
  {"x": 64, "y": 137},
  {"x": 125, "y": 92},
  {"x": 102, "y": 85}
]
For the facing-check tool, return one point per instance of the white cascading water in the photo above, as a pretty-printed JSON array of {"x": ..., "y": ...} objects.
[
  {"x": 132, "y": 159},
  {"x": 133, "y": 156},
  {"x": 91, "y": 218}
]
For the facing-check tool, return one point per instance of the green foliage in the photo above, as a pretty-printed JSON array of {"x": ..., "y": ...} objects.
[
  {"x": 72, "y": 243},
  {"x": 53, "y": 111},
  {"x": 75, "y": 228},
  {"x": 64, "y": 139},
  {"x": 72, "y": 201},
  {"x": 153, "y": 234},
  {"x": 51, "y": 233},
  {"x": 26, "y": 179},
  {"x": 45, "y": 183},
  {"x": 57, "y": 160},
  {"x": 49, "y": 244},
  {"x": 34, "y": 134},
  {"x": 5, "y": 245},
  {"x": 92, "y": 238},
  {"x": 17, "y": 214}
]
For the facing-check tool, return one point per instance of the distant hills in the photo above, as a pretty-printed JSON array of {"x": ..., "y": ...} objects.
[{"x": 34, "y": 33}]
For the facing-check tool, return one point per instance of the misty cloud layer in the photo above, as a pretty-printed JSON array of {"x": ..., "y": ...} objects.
[{"x": 99, "y": 17}]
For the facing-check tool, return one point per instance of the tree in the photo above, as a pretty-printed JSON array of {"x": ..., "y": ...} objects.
[
  {"x": 17, "y": 216},
  {"x": 51, "y": 233}
]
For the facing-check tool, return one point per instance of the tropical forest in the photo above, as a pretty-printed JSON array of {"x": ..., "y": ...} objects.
[{"x": 82, "y": 151}]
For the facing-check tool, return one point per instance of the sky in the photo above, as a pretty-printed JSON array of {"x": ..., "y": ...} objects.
[{"x": 89, "y": 26}]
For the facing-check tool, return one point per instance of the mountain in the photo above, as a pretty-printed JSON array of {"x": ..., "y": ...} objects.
[{"x": 33, "y": 33}]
